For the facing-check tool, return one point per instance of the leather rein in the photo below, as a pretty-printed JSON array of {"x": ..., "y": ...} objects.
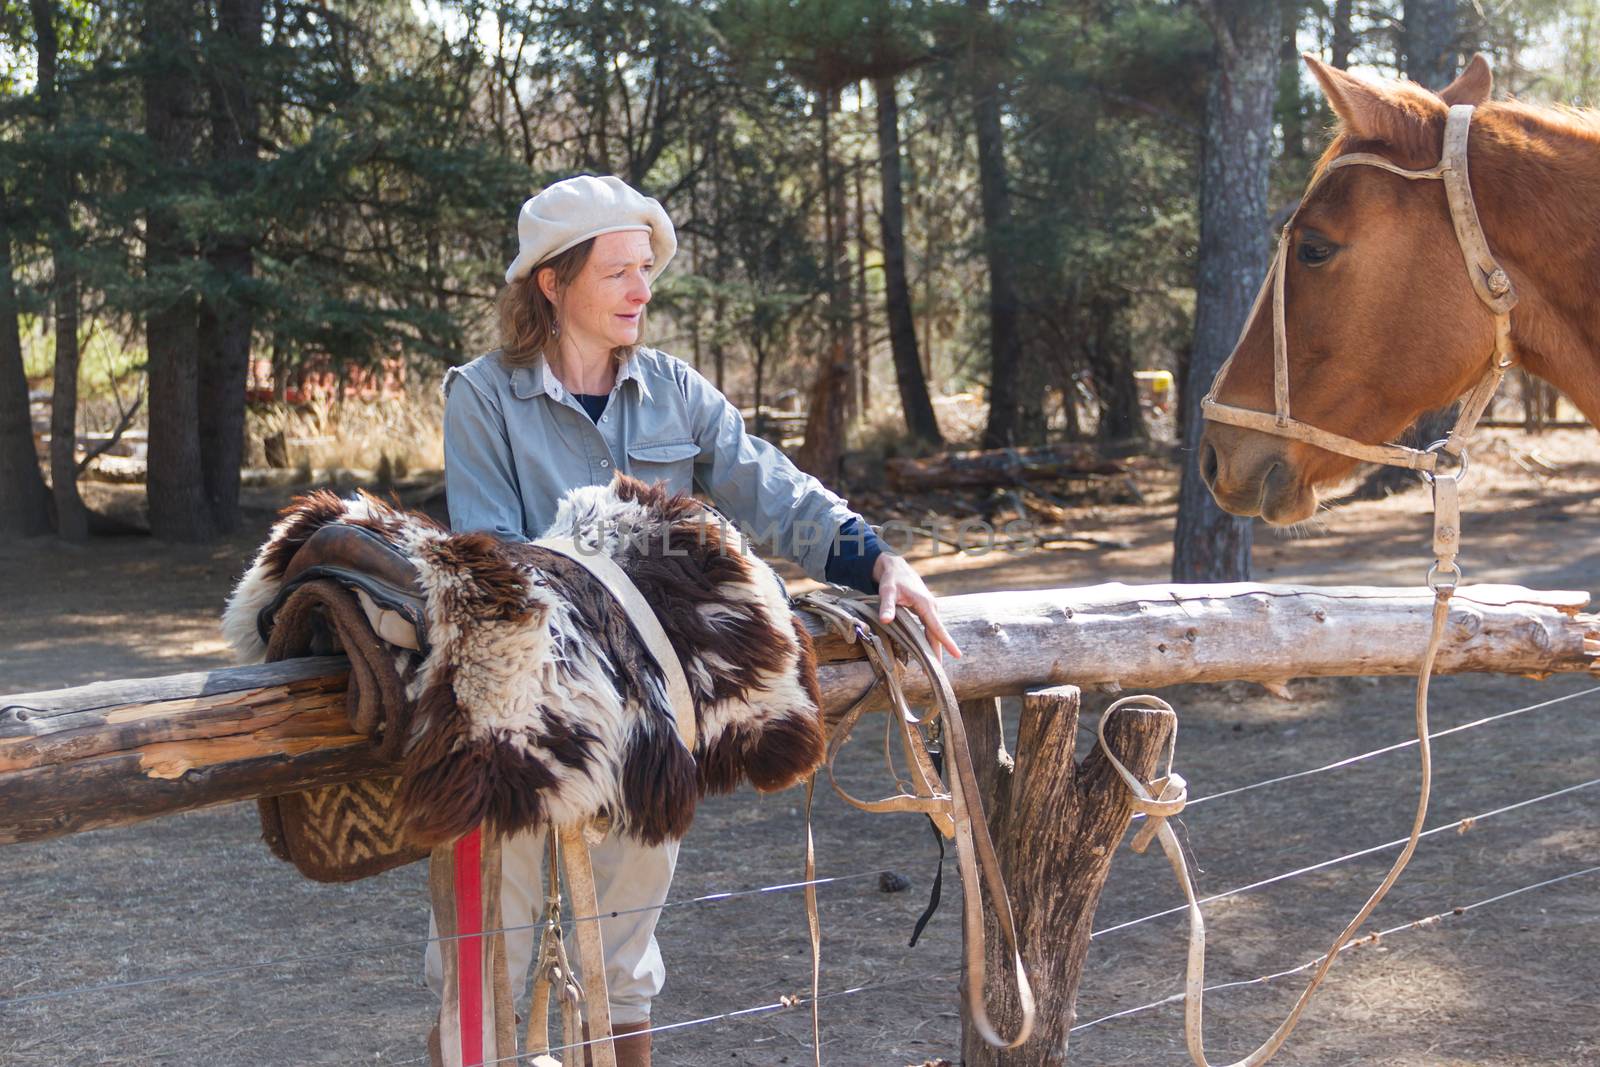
[
  {"x": 1493, "y": 285},
  {"x": 956, "y": 810}
]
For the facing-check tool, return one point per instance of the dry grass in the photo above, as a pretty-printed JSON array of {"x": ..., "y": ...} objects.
[{"x": 404, "y": 434}]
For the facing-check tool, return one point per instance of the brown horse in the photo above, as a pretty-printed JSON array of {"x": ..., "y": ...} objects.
[{"x": 1381, "y": 319}]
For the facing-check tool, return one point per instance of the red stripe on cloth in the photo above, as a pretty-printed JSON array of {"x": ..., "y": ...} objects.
[{"x": 469, "y": 950}]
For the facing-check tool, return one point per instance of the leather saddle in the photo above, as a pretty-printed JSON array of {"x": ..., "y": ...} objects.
[{"x": 383, "y": 580}]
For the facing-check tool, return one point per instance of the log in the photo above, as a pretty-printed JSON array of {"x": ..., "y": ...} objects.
[
  {"x": 1117, "y": 637},
  {"x": 1056, "y": 826},
  {"x": 118, "y": 752},
  {"x": 999, "y": 467}
]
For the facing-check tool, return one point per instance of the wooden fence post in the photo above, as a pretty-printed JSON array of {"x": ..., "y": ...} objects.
[{"x": 1056, "y": 826}]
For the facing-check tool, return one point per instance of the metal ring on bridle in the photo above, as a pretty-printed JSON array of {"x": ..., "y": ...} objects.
[
  {"x": 1436, "y": 581},
  {"x": 1437, "y": 448}
]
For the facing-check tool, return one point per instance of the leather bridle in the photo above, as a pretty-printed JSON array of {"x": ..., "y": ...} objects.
[
  {"x": 1162, "y": 799},
  {"x": 1489, "y": 280}
]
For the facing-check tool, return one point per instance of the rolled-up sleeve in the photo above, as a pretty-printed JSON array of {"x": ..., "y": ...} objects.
[
  {"x": 775, "y": 502},
  {"x": 480, "y": 481}
]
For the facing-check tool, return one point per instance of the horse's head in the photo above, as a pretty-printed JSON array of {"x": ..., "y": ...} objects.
[{"x": 1381, "y": 321}]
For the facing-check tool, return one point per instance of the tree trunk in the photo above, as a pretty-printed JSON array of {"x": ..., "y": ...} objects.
[
  {"x": 760, "y": 390},
  {"x": 226, "y": 321},
  {"x": 1429, "y": 29},
  {"x": 1005, "y": 349},
  {"x": 1344, "y": 38},
  {"x": 861, "y": 376},
  {"x": 1236, "y": 161},
  {"x": 27, "y": 509},
  {"x": 1120, "y": 416},
  {"x": 1056, "y": 826},
  {"x": 914, "y": 399},
  {"x": 1291, "y": 102},
  {"x": 175, "y": 479},
  {"x": 1429, "y": 36},
  {"x": 823, "y": 450},
  {"x": 72, "y": 520}
]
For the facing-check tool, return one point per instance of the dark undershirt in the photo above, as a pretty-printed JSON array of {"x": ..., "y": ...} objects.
[{"x": 855, "y": 550}]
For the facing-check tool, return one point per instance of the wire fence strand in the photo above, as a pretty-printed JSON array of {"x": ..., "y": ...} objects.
[
  {"x": 1470, "y": 820},
  {"x": 781, "y": 1004},
  {"x": 1385, "y": 750},
  {"x": 1415, "y": 924},
  {"x": 413, "y": 943}
]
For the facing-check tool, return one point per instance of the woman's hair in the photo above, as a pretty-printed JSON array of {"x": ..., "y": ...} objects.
[{"x": 528, "y": 318}]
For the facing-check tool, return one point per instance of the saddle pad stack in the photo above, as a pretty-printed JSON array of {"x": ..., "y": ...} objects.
[{"x": 511, "y": 688}]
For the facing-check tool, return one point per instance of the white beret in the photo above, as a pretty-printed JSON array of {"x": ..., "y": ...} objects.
[{"x": 572, "y": 211}]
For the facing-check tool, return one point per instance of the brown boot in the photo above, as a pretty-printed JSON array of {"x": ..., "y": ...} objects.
[{"x": 632, "y": 1044}]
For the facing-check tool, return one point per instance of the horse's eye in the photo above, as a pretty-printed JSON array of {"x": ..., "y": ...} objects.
[{"x": 1313, "y": 254}]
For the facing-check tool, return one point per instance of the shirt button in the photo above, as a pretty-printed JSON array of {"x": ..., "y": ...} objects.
[
  {"x": 605, "y": 418},
  {"x": 605, "y": 463}
]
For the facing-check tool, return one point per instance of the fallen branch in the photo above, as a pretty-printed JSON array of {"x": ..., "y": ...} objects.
[{"x": 999, "y": 467}]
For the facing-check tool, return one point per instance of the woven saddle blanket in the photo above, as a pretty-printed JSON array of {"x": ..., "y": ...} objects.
[{"x": 529, "y": 699}]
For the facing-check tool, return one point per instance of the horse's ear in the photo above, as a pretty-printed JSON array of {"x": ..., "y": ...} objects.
[
  {"x": 1373, "y": 112},
  {"x": 1473, "y": 86}
]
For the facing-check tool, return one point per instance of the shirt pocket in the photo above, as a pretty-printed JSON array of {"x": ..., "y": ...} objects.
[{"x": 665, "y": 462}]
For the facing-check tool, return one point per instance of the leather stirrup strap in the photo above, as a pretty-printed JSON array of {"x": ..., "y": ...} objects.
[
  {"x": 554, "y": 969},
  {"x": 477, "y": 1022},
  {"x": 814, "y": 928},
  {"x": 962, "y": 805},
  {"x": 580, "y": 883},
  {"x": 929, "y": 796},
  {"x": 586, "y": 1002}
]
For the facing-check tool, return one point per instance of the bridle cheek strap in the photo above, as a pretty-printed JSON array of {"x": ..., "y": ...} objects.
[{"x": 1489, "y": 280}]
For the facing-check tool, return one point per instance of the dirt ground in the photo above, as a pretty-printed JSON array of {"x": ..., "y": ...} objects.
[{"x": 1516, "y": 982}]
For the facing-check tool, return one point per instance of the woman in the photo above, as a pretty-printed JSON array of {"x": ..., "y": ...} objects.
[{"x": 570, "y": 398}]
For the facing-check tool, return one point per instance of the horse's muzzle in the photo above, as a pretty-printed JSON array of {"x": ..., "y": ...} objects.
[{"x": 1249, "y": 474}]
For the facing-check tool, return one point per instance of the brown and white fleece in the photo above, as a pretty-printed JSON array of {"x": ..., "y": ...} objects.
[{"x": 536, "y": 703}]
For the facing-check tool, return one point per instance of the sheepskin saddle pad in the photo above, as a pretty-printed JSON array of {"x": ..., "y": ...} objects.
[{"x": 529, "y": 699}]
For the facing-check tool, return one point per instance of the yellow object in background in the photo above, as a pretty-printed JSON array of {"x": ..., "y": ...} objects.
[{"x": 1156, "y": 387}]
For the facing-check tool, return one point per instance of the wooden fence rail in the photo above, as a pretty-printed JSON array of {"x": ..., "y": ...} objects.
[{"x": 119, "y": 752}]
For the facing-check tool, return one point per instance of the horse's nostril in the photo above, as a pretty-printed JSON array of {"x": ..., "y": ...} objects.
[{"x": 1208, "y": 463}]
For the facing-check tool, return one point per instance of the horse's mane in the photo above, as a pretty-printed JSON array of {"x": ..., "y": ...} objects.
[{"x": 1566, "y": 119}]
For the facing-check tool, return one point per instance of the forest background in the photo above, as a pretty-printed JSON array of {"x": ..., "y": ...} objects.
[{"x": 204, "y": 203}]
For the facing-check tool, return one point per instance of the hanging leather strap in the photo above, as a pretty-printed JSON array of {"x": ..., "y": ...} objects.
[
  {"x": 585, "y": 1004},
  {"x": 1165, "y": 798},
  {"x": 553, "y": 971},
  {"x": 960, "y": 806}
]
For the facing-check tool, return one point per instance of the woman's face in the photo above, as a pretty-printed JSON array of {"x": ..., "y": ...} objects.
[{"x": 603, "y": 306}]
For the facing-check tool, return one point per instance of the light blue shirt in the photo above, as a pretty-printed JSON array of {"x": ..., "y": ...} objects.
[{"x": 516, "y": 440}]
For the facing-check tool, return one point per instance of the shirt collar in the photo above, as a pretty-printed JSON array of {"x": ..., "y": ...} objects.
[{"x": 537, "y": 380}]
